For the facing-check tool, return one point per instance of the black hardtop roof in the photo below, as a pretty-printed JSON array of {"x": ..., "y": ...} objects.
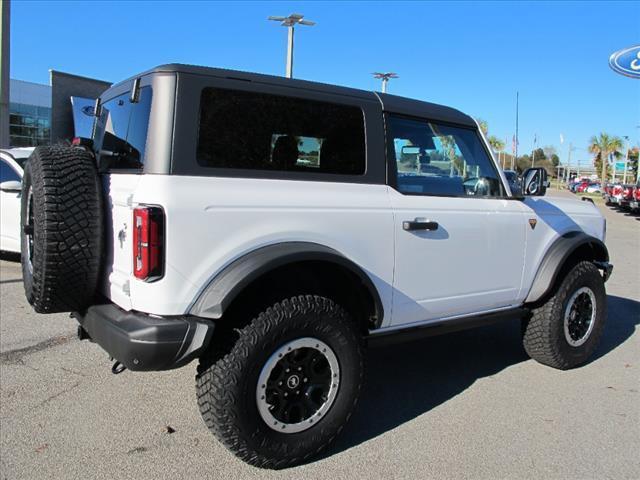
[{"x": 390, "y": 103}]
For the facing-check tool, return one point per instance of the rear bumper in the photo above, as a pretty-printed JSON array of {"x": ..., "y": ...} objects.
[{"x": 142, "y": 342}]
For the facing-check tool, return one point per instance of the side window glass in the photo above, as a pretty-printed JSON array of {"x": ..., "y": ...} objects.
[
  {"x": 437, "y": 159},
  {"x": 7, "y": 173},
  {"x": 258, "y": 131}
]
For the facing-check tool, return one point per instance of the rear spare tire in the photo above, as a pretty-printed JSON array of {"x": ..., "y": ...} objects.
[{"x": 61, "y": 229}]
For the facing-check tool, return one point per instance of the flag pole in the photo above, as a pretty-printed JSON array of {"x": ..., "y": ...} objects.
[{"x": 517, "y": 108}]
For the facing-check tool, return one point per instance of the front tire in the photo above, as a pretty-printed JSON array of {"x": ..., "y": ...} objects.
[
  {"x": 287, "y": 386},
  {"x": 565, "y": 331}
]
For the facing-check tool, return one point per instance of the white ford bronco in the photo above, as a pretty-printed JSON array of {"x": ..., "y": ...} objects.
[{"x": 272, "y": 228}]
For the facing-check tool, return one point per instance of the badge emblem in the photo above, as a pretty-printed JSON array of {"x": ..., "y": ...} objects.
[
  {"x": 532, "y": 223},
  {"x": 626, "y": 61}
]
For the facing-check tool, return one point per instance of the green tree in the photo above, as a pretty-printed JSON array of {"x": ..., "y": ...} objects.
[
  {"x": 597, "y": 165},
  {"x": 496, "y": 144},
  {"x": 484, "y": 126},
  {"x": 604, "y": 146}
]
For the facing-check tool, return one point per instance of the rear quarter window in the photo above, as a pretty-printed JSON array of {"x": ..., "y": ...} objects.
[
  {"x": 121, "y": 131},
  {"x": 257, "y": 131}
]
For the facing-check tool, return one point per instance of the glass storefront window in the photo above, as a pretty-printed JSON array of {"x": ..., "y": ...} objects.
[{"x": 29, "y": 125}]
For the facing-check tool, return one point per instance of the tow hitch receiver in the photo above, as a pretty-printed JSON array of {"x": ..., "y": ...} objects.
[{"x": 117, "y": 368}]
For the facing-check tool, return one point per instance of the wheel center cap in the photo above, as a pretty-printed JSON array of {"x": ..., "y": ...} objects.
[{"x": 293, "y": 381}]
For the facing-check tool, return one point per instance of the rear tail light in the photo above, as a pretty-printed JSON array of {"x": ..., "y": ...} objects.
[
  {"x": 148, "y": 243},
  {"x": 637, "y": 193}
]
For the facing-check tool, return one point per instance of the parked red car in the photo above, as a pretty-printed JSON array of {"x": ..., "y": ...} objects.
[
  {"x": 582, "y": 187},
  {"x": 634, "y": 204}
]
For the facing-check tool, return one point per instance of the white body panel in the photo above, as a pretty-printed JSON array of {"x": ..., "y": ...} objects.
[
  {"x": 212, "y": 221},
  {"x": 471, "y": 263},
  {"x": 555, "y": 216},
  {"x": 119, "y": 192},
  {"x": 10, "y": 217},
  {"x": 483, "y": 257}
]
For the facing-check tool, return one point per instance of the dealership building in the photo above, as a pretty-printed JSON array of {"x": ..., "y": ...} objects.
[{"x": 44, "y": 114}]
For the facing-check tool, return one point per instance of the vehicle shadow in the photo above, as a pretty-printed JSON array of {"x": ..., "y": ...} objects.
[
  {"x": 622, "y": 319},
  {"x": 407, "y": 380}
]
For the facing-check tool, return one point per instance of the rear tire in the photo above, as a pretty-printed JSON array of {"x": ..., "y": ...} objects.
[
  {"x": 565, "y": 331},
  {"x": 61, "y": 229},
  {"x": 271, "y": 431}
]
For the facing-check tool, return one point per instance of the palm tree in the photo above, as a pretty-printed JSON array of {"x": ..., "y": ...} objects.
[
  {"x": 497, "y": 145},
  {"x": 604, "y": 146},
  {"x": 484, "y": 126}
]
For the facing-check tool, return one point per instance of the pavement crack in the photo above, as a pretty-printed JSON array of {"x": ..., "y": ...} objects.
[
  {"x": 56, "y": 395},
  {"x": 74, "y": 372},
  {"x": 14, "y": 357}
]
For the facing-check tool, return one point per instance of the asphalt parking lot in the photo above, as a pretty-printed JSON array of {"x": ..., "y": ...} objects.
[{"x": 465, "y": 405}]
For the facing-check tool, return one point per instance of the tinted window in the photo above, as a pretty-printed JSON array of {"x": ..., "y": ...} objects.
[
  {"x": 435, "y": 159},
  {"x": 7, "y": 173},
  {"x": 121, "y": 130},
  {"x": 267, "y": 132}
]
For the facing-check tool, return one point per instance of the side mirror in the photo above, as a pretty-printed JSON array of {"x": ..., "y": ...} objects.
[
  {"x": 534, "y": 182},
  {"x": 11, "y": 186}
]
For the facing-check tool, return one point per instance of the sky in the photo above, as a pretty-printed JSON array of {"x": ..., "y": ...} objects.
[{"x": 473, "y": 56}]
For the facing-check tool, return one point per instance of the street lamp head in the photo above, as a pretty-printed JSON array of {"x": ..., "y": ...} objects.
[
  {"x": 292, "y": 20},
  {"x": 384, "y": 76}
]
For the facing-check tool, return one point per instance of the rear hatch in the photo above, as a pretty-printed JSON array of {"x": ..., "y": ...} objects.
[{"x": 120, "y": 136}]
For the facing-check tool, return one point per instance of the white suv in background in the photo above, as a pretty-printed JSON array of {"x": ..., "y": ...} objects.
[
  {"x": 11, "y": 168},
  {"x": 271, "y": 228}
]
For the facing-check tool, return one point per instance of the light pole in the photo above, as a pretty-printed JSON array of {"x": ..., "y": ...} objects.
[
  {"x": 4, "y": 73},
  {"x": 626, "y": 160},
  {"x": 385, "y": 78},
  {"x": 290, "y": 22}
]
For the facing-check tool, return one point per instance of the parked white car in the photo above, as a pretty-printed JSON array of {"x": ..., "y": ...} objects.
[{"x": 11, "y": 169}]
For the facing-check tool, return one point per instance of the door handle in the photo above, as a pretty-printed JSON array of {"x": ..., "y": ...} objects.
[{"x": 419, "y": 224}]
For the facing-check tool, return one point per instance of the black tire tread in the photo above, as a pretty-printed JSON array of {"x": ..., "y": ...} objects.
[
  {"x": 68, "y": 222},
  {"x": 540, "y": 339},
  {"x": 217, "y": 375}
]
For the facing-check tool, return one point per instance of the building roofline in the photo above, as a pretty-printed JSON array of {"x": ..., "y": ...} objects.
[
  {"x": 28, "y": 81},
  {"x": 79, "y": 77}
]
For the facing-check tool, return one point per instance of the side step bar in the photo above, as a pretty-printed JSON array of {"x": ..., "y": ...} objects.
[{"x": 442, "y": 327}]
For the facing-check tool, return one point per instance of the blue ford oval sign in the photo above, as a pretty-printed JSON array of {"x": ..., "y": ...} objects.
[{"x": 626, "y": 61}]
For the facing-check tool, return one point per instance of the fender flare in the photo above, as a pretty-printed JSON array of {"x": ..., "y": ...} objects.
[
  {"x": 555, "y": 258},
  {"x": 225, "y": 286}
]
